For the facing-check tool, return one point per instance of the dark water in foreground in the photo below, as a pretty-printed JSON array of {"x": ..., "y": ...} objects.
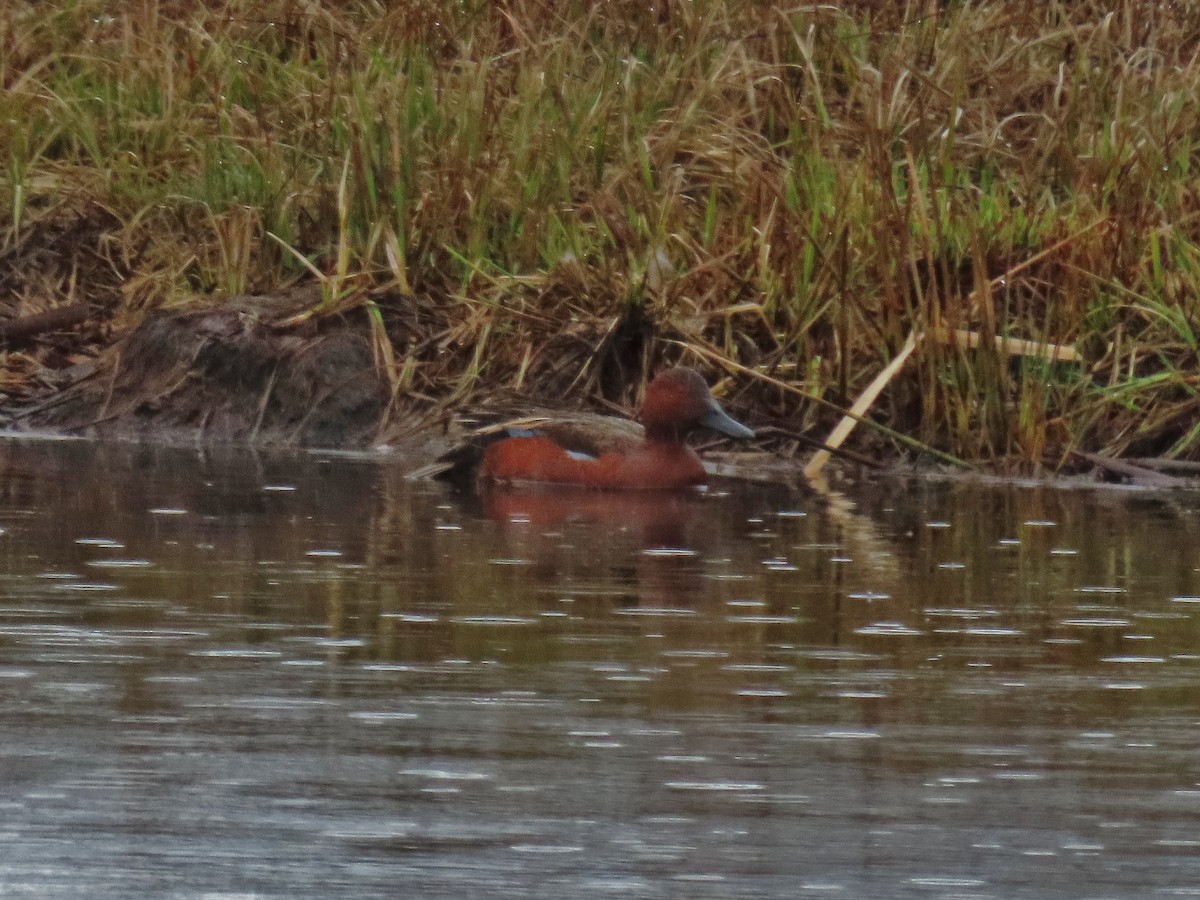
[{"x": 239, "y": 676}]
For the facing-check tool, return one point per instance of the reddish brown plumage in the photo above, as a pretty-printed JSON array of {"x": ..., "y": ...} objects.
[{"x": 677, "y": 401}]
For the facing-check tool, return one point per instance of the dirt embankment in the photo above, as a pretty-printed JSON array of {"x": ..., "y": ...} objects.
[{"x": 231, "y": 373}]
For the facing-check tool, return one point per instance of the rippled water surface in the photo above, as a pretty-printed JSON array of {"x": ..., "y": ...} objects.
[{"x": 235, "y": 675}]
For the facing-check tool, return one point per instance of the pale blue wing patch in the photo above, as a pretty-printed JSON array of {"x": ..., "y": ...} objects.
[{"x": 533, "y": 432}]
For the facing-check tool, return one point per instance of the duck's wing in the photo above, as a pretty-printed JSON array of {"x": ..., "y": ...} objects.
[{"x": 592, "y": 434}]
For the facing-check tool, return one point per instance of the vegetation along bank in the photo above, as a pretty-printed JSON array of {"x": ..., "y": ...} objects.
[{"x": 339, "y": 223}]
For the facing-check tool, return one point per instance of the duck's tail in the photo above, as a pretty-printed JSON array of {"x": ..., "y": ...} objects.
[{"x": 457, "y": 464}]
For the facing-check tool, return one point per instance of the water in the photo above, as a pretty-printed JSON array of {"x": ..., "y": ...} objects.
[{"x": 275, "y": 676}]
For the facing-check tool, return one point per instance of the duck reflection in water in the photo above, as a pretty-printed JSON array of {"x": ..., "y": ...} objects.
[
  {"x": 660, "y": 519},
  {"x": 663, "y": 570}
]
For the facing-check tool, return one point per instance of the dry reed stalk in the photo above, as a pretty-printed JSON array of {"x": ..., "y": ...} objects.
[{"x": 861, "y": 406}]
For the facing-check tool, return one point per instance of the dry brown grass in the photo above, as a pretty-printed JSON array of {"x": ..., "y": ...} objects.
[{"x": 558, "y": 196}]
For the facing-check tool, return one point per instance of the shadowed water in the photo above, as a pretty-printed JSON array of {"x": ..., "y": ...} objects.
[{"x": 236, "y": 675}]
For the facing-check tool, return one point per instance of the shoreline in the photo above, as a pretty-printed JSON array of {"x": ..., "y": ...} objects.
[{"x": 340, "y": 224}]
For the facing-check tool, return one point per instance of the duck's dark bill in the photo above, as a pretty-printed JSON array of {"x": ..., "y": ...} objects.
[{"x": 718, "y": 420}]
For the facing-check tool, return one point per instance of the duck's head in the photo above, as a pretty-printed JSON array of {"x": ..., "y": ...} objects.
[{"x": 678, "y": 401}]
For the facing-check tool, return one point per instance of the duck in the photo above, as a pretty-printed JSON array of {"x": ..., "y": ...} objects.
[{"x": 603, "y": 452}]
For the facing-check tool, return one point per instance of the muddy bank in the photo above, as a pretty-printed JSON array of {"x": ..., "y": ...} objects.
[
  {"x": 83, "y": 356},
  {"x": 233, "y": 374},
  {"x": 264, "y": 371}
]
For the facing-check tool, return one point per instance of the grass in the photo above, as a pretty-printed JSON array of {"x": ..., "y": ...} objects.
[{"x": 549, "y": 194}]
